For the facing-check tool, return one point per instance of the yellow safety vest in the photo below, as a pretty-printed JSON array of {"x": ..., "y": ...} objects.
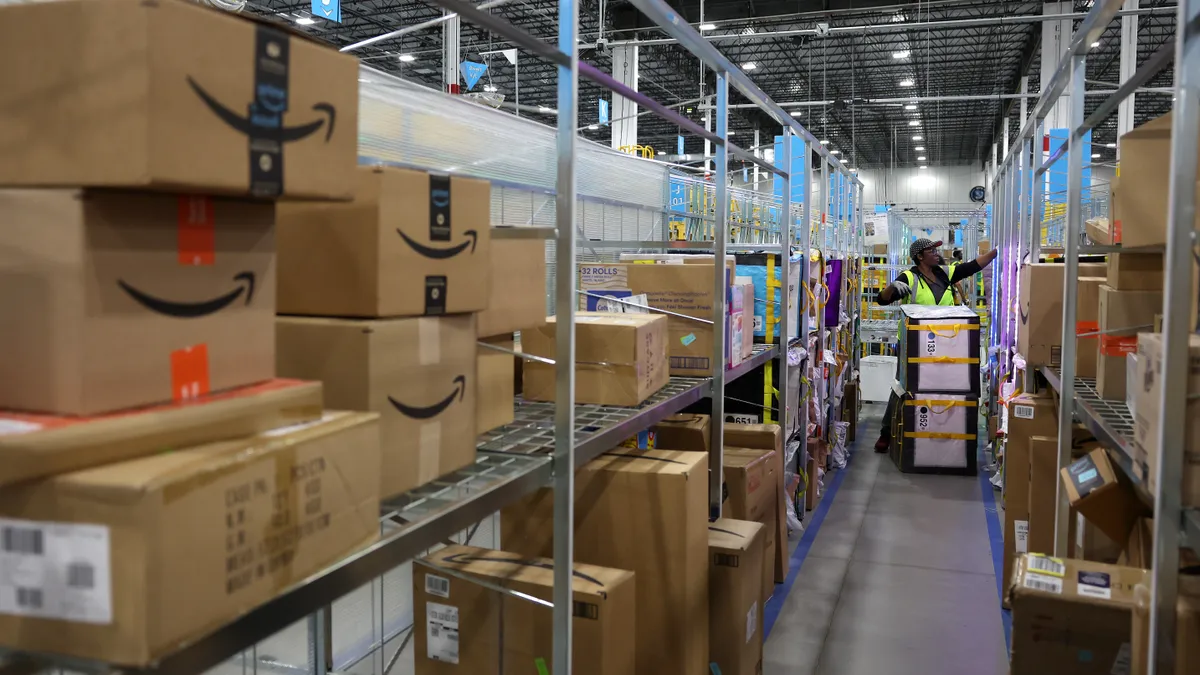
[{"x": 922, "y": 294}]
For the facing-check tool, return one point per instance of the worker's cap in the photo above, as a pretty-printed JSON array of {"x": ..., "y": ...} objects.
[{"x": 920, "y": 246}]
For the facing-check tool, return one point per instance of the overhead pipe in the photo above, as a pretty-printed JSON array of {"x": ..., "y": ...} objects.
[
  {"x": 416, "y": 27},
  {"x": 943, "y": 99}
]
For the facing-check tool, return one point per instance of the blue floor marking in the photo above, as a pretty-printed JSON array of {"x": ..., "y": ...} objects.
[
  {"x": 775, "y": 604},
  {"x": 996, "y": 539}
]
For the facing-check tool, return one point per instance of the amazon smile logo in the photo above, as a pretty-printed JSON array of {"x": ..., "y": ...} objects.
[
  {"x": 440, "y": 253},
  {"x": 460, "y": 390},
  {"x": 192, "y": 310},
  {"x": 265, "y": 117}
]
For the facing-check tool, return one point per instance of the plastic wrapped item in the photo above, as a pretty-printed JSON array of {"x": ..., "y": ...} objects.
[
  {"x": 792, "y": 482},
  {"x": 839, "y": 456}
]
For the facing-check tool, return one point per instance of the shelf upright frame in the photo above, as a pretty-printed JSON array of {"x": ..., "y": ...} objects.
[
  {"x": 716, "y": 457},
  {"x": 786, "y": 222},
  {"x": 805, "y": 269},
  {"x": 1178, "y": 305},
  {"x": 1074, "y": 225},
  {"x": 1037, "y": 194}
]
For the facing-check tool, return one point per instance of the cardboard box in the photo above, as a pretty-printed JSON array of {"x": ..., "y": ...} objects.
[
  {"x": 646, "y": 512},
  {"x": 1087, "y": 324},
  {"x": 409, "y": 244},
  {"x": 1147, "y": 416},
  {"x": 132, "y": 299},
  {"x": 1071, "y": 617},
  {"x": 1135, "y": 271},
  {"x": 985, "y": 246},
  {"x": 879, "y": 249},
  {"x": 463, "y": 627},
  {"x": 620, "y": 359},
  {"x": 1086, "y": 541},
  {"x": 683, "y": 432},
  {"x": 735, "y": 636},
  {"x": 812, "y": 492},
  {"x": 1099, "y": 231},
  {"x": 517, "y": 292},
  {"x": 1139, "y": 550},
  {"x": 1039, "y": 337},
  {"x": 1103, "y": 494},
  {"x": 174, "y": 96},
  {"x": 747, "y": 317},
  {"x": 1122, "y": 315},
  {"x": 1187, "y": 628},
  {"x": 418, "y": 374},
  {"x": 768, "y": 437},
  {"x": 1143, "y": 195},
  {"x": 1043, "y": 493},
  {"x": 494, "y": 407},
  {"x": 751, "y": 481},
  {"x": 683, "y": 289},
  {"x": 147, "y": 554},
  {"x": 1028, "y": 417},
  {"x": 35, "y": 446}
]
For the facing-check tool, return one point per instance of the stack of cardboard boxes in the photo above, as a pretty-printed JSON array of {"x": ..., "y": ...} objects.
[{"x": 143, "y": 438}]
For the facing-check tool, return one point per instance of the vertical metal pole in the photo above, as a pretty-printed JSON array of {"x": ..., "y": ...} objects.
[
  {"x": 716, "y": 466},
  {"x": 1129, "y": 58},
  {"x": 1074, "y": 225},
  {"x": 565, "y": 303},
  {"x": 517, "y": 83},
  {"x": 806, "y": 261},
  {"x": 317, "y": 634},
  {"x": 1178, "y": 305},
  {"x": 1038, "y": 200},
  {"x": 1014, "y": 261},
  {"x": 759, "y": 153},
  {"x": 1024, "y": 101},
  {"x": 785, "y": 279}
]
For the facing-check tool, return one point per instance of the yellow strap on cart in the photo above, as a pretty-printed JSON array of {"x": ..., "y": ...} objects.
[
  {"x": 943, "y": 359},
  {"x": 769, "y": 311},
  {"x": 944, "y": 404},
  {"x": 935, "y": 327},
  {"x": 939, "y": 435}
]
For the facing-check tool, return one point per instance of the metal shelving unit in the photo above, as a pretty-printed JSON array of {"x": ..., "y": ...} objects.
[{"x": 1020, "y": 212}]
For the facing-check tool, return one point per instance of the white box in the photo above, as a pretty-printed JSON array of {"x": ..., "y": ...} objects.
[
  {"x": 1131, "y": 375},
  {"x": 877, "y": 374}
]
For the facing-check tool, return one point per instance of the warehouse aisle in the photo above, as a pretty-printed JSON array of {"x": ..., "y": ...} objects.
[{"x": 899, "y": 578}]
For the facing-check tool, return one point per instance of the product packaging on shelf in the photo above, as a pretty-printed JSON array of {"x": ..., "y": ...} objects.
[
  {"x": 1187, "y": 628},
  {"x": 1071, "y": 617},
  {"x": 1087, "y": 325},
  {"x": 418, "y": 373},
  {"x": 463, "y": 627},
  {"x": 647, "y": 512},
  {"x": 683, "y": 432},
  {"x": 175, "y": 96},
  {"x": 734, "y": 595},
  {"x": 517, "y": 292},
  {"x": 1122, "y": 315},
  {"x": 494, "y": 407},
  {"x": 410, "y": 244},
  {"x": 1103, "y": 494},
  {"x": 620, "y": 359},
  {"x": 768, "y": 437},
  {"x": 1135, "y": 271},
  {"x": 763, "y": 270},
  {"x": 1148, "y": 415},
  {"x": 132, "y": 299},
  {"x": 34, "y": 446},
  {"x": 123, "y": 563},
  {"x": 1028, "y": 416},
  {"x": 752, "y": 478},
  {"x": 1043, "y": 485}
]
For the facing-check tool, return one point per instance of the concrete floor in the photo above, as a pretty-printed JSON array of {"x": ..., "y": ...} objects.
[{"x": 899, "y": 579}]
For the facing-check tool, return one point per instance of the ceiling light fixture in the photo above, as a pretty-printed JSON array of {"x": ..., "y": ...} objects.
[
  {"x": 918, "y": 138},
  {"x": 306, "y": 21},
  {"x": 919, "y": 148},
  {"x": 901, "y": 55},
  {"x": 490, "y": 88},
  {"x": 407, "y": 58},
  {"x": 544, "y": 109},
  {"x": 1110, "y": 145},
  {"x": 707, "y": 26},
  {"x": 911, "y": 106},
  {"x": 907, "y": 82},
  {"x": 1095, "y": 155},
  {"x": 825, "y": 142},
  {"x": 922, "y": 167},
  {"x": 914, "y": 123},
  {"x": 835, "y": 152},
  {"x": 921, "y": 158},
  {"x": 732, "y": 132},
  {"x": 1095, "y": 44},
  {"x": 749, "y": 66},
  {"x": 898, "y": 18},
  {"x": 593, "y": 127}
]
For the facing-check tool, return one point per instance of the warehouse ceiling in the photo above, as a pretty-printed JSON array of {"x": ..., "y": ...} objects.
[{"x": 853, "y": 88}]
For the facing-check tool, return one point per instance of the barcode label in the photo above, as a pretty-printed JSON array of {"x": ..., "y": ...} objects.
[
  {"x": 439, "y": 586},
  {"x": 1021, "y": 536},
  {"x": 1041, "y": 582},
  {"x": 691, "y": 363},
  {"x": 1024, "y": 412},
  {"x": 441, "y": 632},
  {"x": 1046, "y": 565},
  {"x": 25, "y": 540},
  {"x": 55, "y": 571}
]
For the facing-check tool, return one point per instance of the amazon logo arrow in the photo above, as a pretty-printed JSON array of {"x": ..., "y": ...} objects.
[
  {"x": 192, "y": 310},
  {"x": 439, "y": 253},
  {"x": 460, "y": 390},
  {"x": 273, "y": 107}
]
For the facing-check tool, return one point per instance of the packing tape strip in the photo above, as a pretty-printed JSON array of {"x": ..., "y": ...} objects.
[
  {"x": 939, "y": 435},
  {"x": 429, "y": 350},
  {"x": 943, "y": 359}
]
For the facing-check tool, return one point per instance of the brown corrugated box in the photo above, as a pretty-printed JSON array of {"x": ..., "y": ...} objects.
[
  {"x": 143, "y": 556},
  {"x": 462, "y": 627},
  {"x": 1087, "y": 323},
  {"x": 1187, "y": 628},
  {"x": 1028, "y": 416},
  {"x": 683, "y": 432},
  {"x": 171, "y": 95},
  {"x": 494, "y": 406},
  {"x": 1039, "y": 337},
  {"x": 620, "y": 359},
  {"x": 735, "y": 637},
  {"x": 1103, "y": 494},
  {"x": 132, "y": 299},
  {"x": 1122, "y": 315},
  {"x": 751, "y": 478},
  {"x": 647, "y": 512},
  {"x": 34, "y": 446},
  {"x": 1071, "y": 617},
  {"x": 1141, "y": 201},
  {"x": 417, "y": 373},
  {"x": 768, "y": 437},
  {"x": 410, "y": 244},
  {"x": 1148, "y": 416},
  {"x": 1043, "y": 485},
  {"x": 1135, "y": 271},
  {"x": 517, "y": 292}
]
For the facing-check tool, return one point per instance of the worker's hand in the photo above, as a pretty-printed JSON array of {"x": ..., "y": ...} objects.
[{"x": 901, "y": 289}]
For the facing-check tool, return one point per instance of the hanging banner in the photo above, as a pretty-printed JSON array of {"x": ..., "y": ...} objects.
[
  {"x": 510, "y": 55},
  {"x": 603, "y": 111},
  {"x": 330, "y": 10},
  {"x": 471, "y": 72},
  {"x": 679, "y": 145}
]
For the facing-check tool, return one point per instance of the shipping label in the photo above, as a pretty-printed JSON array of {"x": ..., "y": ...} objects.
[
  {"x": 441, "y": 632},
  {"x": 56, "y": 571},
  {"x": 1021, "y": 538},
  {"x": 752, "y": 620}
]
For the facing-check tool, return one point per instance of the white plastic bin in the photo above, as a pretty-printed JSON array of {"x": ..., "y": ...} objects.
[{"x": 878, "y": 373}]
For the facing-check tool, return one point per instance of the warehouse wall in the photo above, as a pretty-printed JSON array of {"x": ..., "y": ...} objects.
[{"x": 937, "y": 184}]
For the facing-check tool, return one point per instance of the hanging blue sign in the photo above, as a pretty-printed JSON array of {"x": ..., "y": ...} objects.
[
  {"x": 679, "y": 145},
  {"x": 330, "y": 10},
  {"x": 745, "y": 175},
  {"x": 603, "y": 111},
  {"x": 471, "y": 72}
]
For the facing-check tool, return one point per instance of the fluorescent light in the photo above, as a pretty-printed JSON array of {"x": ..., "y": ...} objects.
[
  {"x": 490, "y": 88},
  {"x": 911, "y": 106},
  {"x": 835, "y": 152},
  {"x": 853, "y": 170},
  {"x": 898, "y": 18},
  {"x": 914, "y": 123},
  {"x": 708, "y": 26},
  {"x": 918, "y": 138},
  {"x": 306, "y": 21},
  {"x": 1095, "y": 44},
  {"x": 593, "y": 127},
  {"x": 407, "y": 58},
  {"x": 922, "y": 167},
  {"x": 1110, "y": 145},
  {"x": 825, "y": 142},
  {"x": 749, "y": 66},
  {"x": 544, "y": 109},
  {"x": 1096, "y": 155},
  {"x": 732, "y": 132},
  {"x": 921, "y": 158},
  {"x": 901, "y": 55},
  {"x": 907, "y": 82},
  {"x": 919, "y": 148}
]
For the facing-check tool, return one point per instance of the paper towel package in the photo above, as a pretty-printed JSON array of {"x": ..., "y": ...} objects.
[{"x": 940, "y": 346}]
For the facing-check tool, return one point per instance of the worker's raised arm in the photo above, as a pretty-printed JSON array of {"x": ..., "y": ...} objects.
[
  {"x": 893, "y": 292},
  {"x": 987, "y": 258}
]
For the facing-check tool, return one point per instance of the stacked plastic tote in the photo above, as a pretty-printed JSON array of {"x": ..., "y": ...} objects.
[{"x": 938, "y": 420}]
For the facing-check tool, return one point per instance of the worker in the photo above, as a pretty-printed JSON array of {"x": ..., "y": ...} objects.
[{"x": 926, "y": 283}]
